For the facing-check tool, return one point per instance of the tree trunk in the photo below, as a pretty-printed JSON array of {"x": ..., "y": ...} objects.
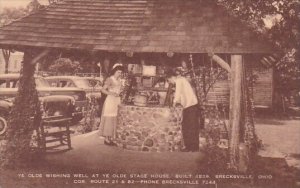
[
  {"x": 235, "y": 110},
  {"x": 25, "y": 115}
]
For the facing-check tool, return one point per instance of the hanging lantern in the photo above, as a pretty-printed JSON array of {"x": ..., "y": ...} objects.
[
  {"x": 129, "y": 54},
  {"x": 170, "y": 54}
]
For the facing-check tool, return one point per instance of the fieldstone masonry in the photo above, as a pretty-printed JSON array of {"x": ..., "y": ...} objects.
[{"x": 156, "y": 129}]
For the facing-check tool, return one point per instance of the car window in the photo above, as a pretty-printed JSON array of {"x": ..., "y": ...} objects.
[
  {"x": 2, "y": 84},
  {"x": 8, "y": 83},
  {"x": 66, "y": 83},
  {"x": 82, "y": 83},
  {"x": 41, "y": 82},
  {"x": 52, "y": 83}
]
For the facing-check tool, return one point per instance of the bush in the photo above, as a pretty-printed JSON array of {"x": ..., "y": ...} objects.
[{"x": 65, "y": 66}]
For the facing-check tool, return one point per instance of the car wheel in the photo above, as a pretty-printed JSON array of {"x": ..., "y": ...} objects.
[{"x": 3, "y": 125}]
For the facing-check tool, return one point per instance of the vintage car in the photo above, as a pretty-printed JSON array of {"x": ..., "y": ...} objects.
[
  {"x": 92, "y": 86},
  {"x": 55, "y": 105},
  {"x": 9, "y": 88}
]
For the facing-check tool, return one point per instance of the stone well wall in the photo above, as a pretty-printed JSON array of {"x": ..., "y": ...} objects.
[{"x": 156, "y": 129}]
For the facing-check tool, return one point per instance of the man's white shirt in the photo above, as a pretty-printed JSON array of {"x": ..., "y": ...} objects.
[{"x": 184, "y": 93}]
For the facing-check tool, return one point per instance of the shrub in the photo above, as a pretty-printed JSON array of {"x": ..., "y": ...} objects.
[{"x": 65, "y": 66}]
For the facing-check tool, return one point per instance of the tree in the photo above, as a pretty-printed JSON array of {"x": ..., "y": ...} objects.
[
  {"x": 65, "y": 66},
  {"x": 279, "y": 20},
  {"x": 33, "y": 6}
]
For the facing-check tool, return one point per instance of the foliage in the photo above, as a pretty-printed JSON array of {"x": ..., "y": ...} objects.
[
  {"x": 206, "y": 77},
  {"x": 216, "y": 152},
  {"x": 288, "y": 71},
  {"x": 23, "y": 119},
  {"x": 283, "y": 13},
  {"x": 33, "y": 6},
  {"x": 65, "y": 66},
  {"x": 283, "y": 22},
  {"x": 8, "y": 15},
  {"x": 90, "y": 120}
]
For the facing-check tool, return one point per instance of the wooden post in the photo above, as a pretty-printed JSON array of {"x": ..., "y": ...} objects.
[
  {"x": 218, "y": 60},
  {"x": 235, "y": 110}
]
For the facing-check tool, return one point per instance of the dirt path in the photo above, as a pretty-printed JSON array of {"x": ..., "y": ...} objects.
[
  {"x": 90, "y": 152},
  {"x": 281, "y": 139}
]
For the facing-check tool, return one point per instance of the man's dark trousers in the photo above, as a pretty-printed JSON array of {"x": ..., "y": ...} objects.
[{"x": 191, "y": 128}]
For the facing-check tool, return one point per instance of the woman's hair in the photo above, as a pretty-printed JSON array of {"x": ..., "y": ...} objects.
[{"x": 115, "y": 69}]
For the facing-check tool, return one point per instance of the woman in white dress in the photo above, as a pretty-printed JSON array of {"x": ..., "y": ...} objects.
[{"x": 112, "y": 88}]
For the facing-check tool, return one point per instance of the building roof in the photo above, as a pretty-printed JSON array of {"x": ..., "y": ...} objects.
[{"x": 185, "y": 26}]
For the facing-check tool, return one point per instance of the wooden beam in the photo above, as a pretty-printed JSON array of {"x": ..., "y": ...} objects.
[
  {"x": 219, "y": 60},
  {"x": 39, "y": 56},
  {"x": 235, "y": 109}
]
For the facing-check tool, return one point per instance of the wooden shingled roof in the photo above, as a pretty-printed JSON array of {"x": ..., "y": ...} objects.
[{"x": 185, "y": 26}]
